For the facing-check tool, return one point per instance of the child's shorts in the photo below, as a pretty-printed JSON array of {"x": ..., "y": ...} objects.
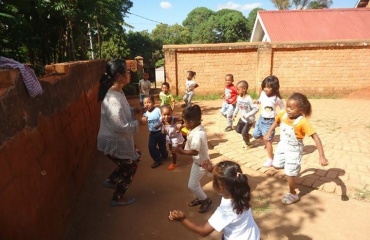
[
  {"x": 262, "y": 127},
  {"x": 288, "y": 157}
]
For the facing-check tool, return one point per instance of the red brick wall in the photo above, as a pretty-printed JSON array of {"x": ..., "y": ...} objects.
[
  {"x": 330, "y": 69},
  {"x": 46, "y": 144}
]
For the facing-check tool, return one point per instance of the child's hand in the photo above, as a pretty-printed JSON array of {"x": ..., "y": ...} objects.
[
  {"x": 176, "y": 215},
  {"x": 266, "y": 138},
  {"x": 323, "y": 161},
  {"x": 207, "y": 165}
]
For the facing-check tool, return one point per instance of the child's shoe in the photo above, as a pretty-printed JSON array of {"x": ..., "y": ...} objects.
[
  {"x": 289, "y": 199},
  {"x": 108, "y": 184},
  {"x": 205, "y": 205},
  {"x": 268, "y": 163},
  {"x": 228, "y": 129},
  {"x": 172, "y": 166}
]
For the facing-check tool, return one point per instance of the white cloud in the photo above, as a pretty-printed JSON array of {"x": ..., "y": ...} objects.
[
  {"x": 237, "y": 6},
  {"x": 165, "y": 5}
]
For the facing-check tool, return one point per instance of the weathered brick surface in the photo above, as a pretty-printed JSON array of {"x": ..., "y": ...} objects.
[
  {"x": 46, "y": 144},
  {"x": 321, "y": 68}
]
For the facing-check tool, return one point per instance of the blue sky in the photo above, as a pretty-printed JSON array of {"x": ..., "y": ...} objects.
[{"x": 176, "y": 11}]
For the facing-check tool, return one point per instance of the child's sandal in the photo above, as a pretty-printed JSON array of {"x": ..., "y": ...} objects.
[
  {"x": 195, "y": 202},
  {"x": 205, "y": 205}
]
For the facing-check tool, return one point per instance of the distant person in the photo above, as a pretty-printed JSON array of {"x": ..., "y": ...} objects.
[
  {"x": 245, "y": 105},
  {"x": 269, "y": 99},
  {"x": 230, "y": 94},
  {"x": 190, "y": 85},
  {"x": 234, "y": 216},
  {"x": 172, "y": 129},
  {"x": 157, "y": 139},
  {"x": 117, "y": 128},
  {"x": 294, "y": 125},
  {"x": 144, "y": 87},
  {"x": 166, "y": 97},
  {"x": 196, "y": 146}
]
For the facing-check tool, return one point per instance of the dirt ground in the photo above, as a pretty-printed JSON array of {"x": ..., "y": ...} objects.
[{"x": 318, "y": 215}]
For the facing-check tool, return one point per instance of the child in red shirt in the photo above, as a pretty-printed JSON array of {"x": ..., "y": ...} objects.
[{"x": 229, "y": 96}]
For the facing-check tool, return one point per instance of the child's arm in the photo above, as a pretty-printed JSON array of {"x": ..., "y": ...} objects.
[
  {"x": 322, "y": 159},
  {"x": 144, "y": 120},
  {"x": 203, "y": 230},
  {"x": 272, "y": 128},
  {"x": 190, "y": 152},
  {"x": 236, "y": 110},
  {"x": 172, "y": 102}
]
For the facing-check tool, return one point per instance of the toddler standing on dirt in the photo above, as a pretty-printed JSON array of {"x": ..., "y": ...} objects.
[
  {"x": 196, "y": 146},
  {"x": 190, "y": 85},
  {"x": 248, "y": 110},
  {"x": 294, "y": 125},
  {"x": 228, "y": 105}
]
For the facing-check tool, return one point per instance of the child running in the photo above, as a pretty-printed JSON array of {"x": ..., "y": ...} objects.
[
  {"x": 171, "y": 126},
  {"x": 144, "y": 88},
  {"x": 248, "y": 110},
  {"x": 294, "y": 125},
  {"x": 197, "y": 147},
  {"x": 190, "y": 85},
  {"x": 269, "y": 99},
  {"x": 233, "y": 216},
  {"x": 166, "y": 97},
  {"x": 157, "y": 139},
  {"x": 228, "y": 105}
]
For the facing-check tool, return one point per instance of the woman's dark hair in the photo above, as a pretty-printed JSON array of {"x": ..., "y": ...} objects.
[
  {"x": 192, "y": 113},
  {"x": 229, "y": 175},
  {"x": 166, "y": 84},
  {"x": 304, "y": 104},
  {"x": 112, "y": 68},
  {"x": 272, "y": 82}
]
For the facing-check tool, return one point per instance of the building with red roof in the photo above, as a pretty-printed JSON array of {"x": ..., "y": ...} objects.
[{"x": 313, "y": 24}]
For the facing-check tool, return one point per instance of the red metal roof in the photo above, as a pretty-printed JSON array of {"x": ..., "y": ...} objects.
[{"x": 318, "y": 24}]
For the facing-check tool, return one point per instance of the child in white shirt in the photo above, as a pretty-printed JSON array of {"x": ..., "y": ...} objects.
[{"x": 190, "y": 85}]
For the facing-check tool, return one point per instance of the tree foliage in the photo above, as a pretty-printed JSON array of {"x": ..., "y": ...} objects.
[{"x": 301, "y": 4}]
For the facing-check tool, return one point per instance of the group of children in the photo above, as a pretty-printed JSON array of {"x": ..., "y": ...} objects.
[{"x": 233, "y": 216}]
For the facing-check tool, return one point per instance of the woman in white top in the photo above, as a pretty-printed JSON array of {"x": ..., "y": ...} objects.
[
  {"x": 117, "y": 128},
  {"x": 233, "y": 216}
]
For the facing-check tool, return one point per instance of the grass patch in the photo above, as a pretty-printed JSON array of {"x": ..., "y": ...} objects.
[
  {"x": 363, "y": 194},
  {"x": 211, "y": 97},
  {"x": 261, "y": 205}
]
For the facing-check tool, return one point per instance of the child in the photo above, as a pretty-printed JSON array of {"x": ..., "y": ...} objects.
[
  {"x": 228, "y": 105},
  {"x": 197, "y": 147},
  {"x": 248, "y": 110},
  {"x": 156, "y": 137},
  {"x": 171, "y": 126},
  {"x": 144, "y": 87},
  {"x": 190, "y": 85},
  {"x": 269, "y": 99},
  {"x": 294, "y": 125},
  {"x": 166, "y": 97},
  {"x": 233, "y": 216}
]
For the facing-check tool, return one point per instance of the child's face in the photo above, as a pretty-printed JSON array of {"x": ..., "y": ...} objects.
[
  {"x": 166, "y": 114},
  {"x": 228, "y": 80},
  {"x": 188, "y": 124},
  {"x": 268, "y": 90},
  {"x": 293, "y": 109},
  {"x": 165, "y": 89},
  {"x": 148, "y": 104},
  {"x": 242, "y": 90},
  {"x": 190, "y": 76},
  {"x": 146, "y": 76}
]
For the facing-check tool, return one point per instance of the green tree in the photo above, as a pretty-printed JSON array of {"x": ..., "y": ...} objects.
[
  {"x": 171, "y": 34},
  {"x": 281, "y": 4},
  {"x": 319, "y": 4},
  {"x": 231, "y": 26},
  {"x": 252, "y": 18}
]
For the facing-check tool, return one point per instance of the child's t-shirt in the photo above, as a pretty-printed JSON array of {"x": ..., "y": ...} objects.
[
  {"x": 166, "y": 98},
  {"x": 269, "y": 105},
  {"x": 302, "y": 128},
  {"x": 173, "y": 135},
  {"x": 197, "y": 140},
  {"x": 230, "y": 94},
  {"x": 189, "y": 85},
  {"x": 247, "y": 108},
  {"x": 153, "y": 119},
  {"x": 235, "y": 226},
  {"x": 144, "y": 86}
]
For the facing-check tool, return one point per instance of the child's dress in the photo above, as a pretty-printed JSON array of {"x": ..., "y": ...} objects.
[
  {"x": 173, "y": 135},
  {"x": 166, "y": 98}
]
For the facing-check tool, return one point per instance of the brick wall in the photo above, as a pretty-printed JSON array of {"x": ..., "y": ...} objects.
[
  {"x": 331, "y": 68},
  {"x": 46, "y": 144}
]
